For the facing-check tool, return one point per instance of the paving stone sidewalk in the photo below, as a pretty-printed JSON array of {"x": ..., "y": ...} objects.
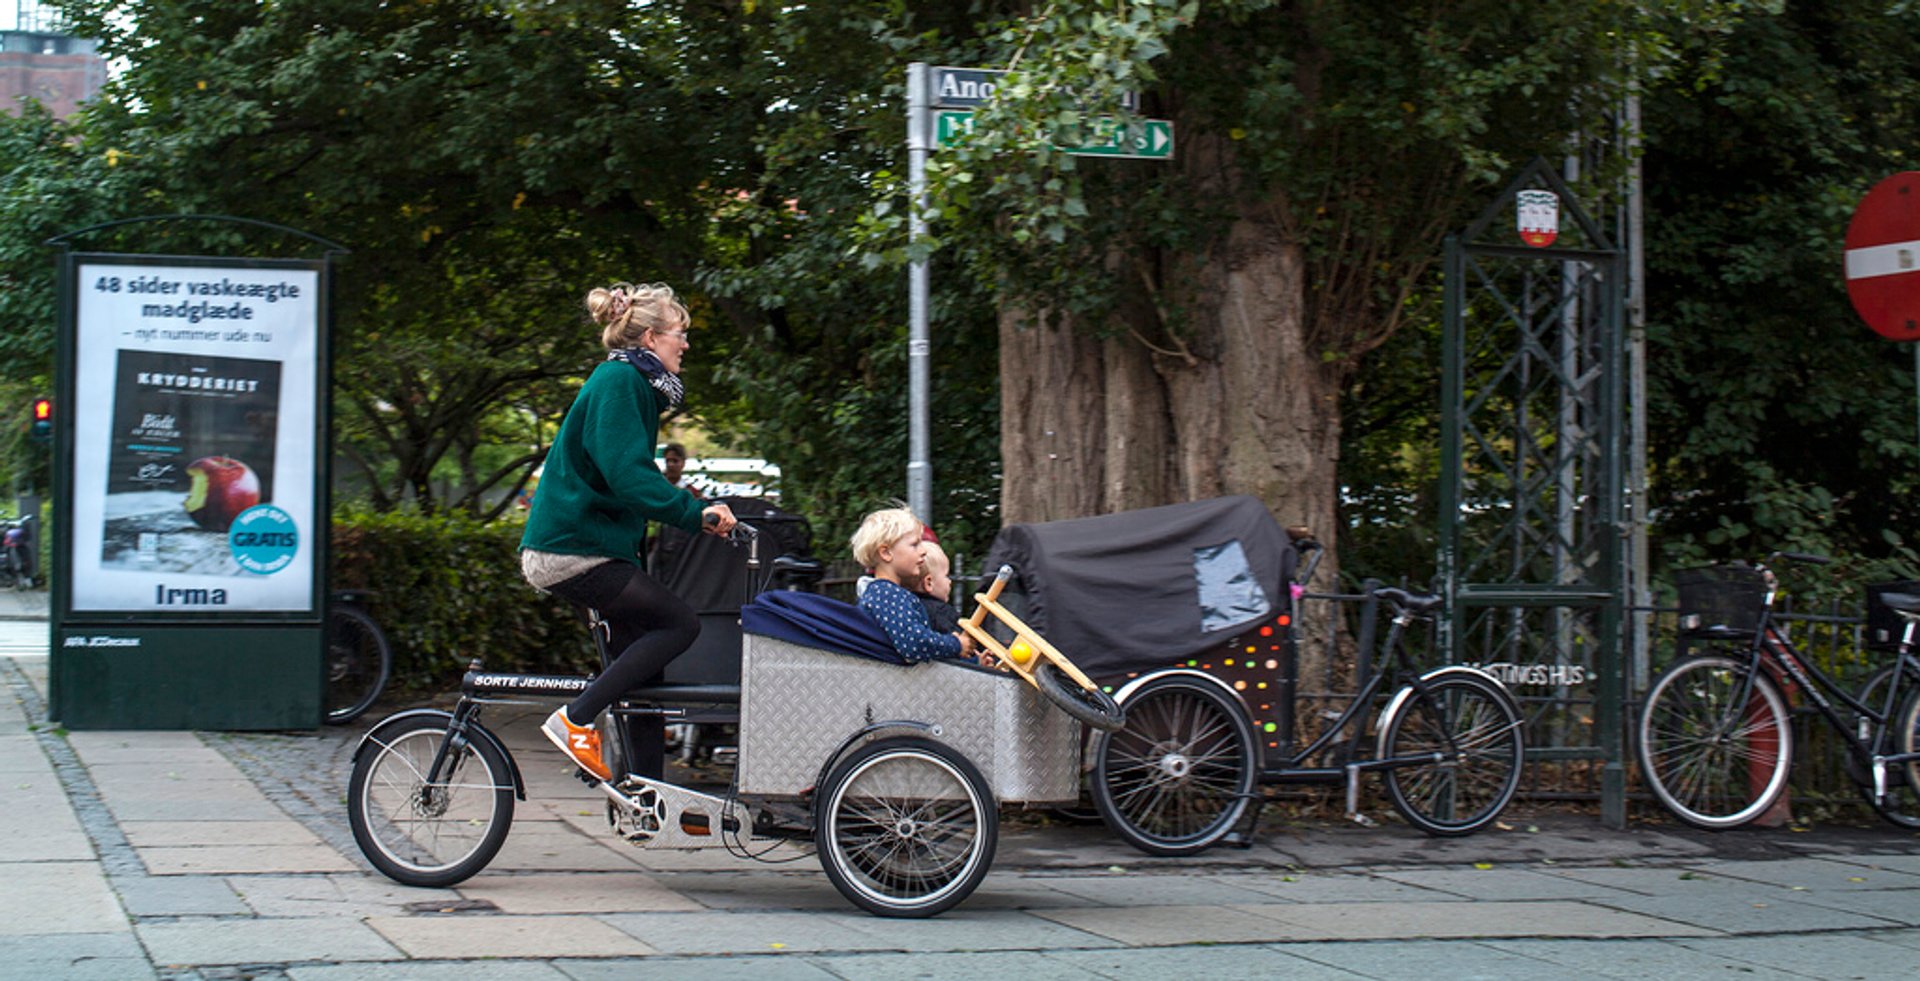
[{"x": 183, "y": 855}]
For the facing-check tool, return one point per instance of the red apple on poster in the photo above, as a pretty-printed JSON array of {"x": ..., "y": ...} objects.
[{"x": 222, "y": 488}]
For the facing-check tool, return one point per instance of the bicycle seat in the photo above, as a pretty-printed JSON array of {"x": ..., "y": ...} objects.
[
  {"x": 1904, "y": 602},
  {"x": 1717, "y": 631},
  {"x": 793, "y": 568},
  {"x": 684, "y": 694}
]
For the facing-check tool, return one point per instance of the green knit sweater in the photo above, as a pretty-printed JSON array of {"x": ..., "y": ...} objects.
[{"x": 600, "y": 485}]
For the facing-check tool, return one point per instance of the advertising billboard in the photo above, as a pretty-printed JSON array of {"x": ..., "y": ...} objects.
[{"x": 195, "y": 461}]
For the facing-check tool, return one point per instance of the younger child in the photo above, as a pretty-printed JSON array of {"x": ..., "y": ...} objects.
[
  {"x": 889, "y": 543},
  {"x": 934, "y": 589}
]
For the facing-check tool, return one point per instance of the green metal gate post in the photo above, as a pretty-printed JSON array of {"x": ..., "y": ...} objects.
[{"x": 1532, "y": 516}]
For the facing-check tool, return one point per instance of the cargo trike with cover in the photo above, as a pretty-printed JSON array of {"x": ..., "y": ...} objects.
[{"x": 1188, "y": 614}]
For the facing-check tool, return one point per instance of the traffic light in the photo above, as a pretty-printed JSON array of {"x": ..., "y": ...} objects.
[{"x": 42, "y": 429}]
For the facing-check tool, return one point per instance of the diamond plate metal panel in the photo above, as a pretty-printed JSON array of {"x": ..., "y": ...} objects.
[{"x": 798, "y": 704}]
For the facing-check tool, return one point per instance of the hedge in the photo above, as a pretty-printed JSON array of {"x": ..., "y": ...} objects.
[{"x": 447, "y": 588}]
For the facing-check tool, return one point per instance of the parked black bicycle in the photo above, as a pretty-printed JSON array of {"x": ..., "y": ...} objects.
[
  {"x": 1450, "y": 744},
  {"x": 359, "y": 659},
  {"x": 17, "y": 558},
  {"x": 1716, "y": 741}
]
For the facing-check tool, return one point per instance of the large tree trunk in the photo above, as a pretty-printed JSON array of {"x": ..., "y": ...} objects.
[{"x": 1230, "y": 400}]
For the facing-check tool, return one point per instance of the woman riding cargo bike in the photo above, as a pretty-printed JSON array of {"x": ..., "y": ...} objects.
[{"x": 588, "y": 525}]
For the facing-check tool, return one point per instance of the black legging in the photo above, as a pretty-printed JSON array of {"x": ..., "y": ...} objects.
[{"x": 650, "y": 626}]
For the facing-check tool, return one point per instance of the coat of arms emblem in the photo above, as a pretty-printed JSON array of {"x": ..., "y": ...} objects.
[{"x": 1538, "y": 214}]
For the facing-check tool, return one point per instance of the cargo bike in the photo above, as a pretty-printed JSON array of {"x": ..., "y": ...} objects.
[
  {"x": 1187, "y": 612},
  {"x": 894, "y": 772}
]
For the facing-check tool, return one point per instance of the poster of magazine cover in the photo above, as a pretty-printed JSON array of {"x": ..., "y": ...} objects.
[{"x": 191, "y": 447}]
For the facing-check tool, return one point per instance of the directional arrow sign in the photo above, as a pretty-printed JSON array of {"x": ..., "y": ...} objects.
[{"x": 1147, "y": 139}]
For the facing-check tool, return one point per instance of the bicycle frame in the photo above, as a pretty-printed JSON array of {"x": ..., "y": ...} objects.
[
  {"x": 1408, "y": 681},
  {"x": 1772, "y": 649}
]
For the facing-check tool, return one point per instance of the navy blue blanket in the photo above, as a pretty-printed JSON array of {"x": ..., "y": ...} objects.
[{"x": 812, "y": 620}]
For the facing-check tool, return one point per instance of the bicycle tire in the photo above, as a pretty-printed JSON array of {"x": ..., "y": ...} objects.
[
  {"x": 1474, "y": 721},
  {"x": 1092, "y": 706},
  {"x": 1901, "y": 805},
  {"x": 1698, "y": 765},
  {"x": 906, "y": 827},
  {"x": 359, "y": 662},
  {"x": 1180, "y": 776},
  {"x": 1869, "y": 695},
  {"x": 428, "y": 834}
]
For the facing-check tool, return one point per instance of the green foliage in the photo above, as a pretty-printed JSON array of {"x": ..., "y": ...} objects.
[
  {"x": 489, "y": 162},
  {"x": 1776, "y": 419},
  {"x": 54, "y": 178},
  {"x": 1361, "y": 134},
  {"x": 446, "y": 589}
]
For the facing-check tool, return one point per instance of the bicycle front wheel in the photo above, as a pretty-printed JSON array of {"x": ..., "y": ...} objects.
[
  {"x": 1715, "y": 743},
  {"x": 1180, "y": 775},
  {"x": 358, "y": 663},
  {"x": 1461, "y": 746},
  {"x": 429, "y": 832},
  {"x": 1091, "y": 706},
  {"x": 906, "y": 827}
]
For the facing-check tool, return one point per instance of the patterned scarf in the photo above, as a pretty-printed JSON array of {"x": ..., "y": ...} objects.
[{"x": 663, "y": 381}]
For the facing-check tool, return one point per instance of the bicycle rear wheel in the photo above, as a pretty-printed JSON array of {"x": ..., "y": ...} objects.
[
  {"x": 1469, "y": 734},
  {"x": 1180, "y": 775},
  {"x": 1715, "y": 744},
  {"x": 1901, "y": 804},
  {"x": 423, "y": 832},
  {"x": 358, "y": 663}
]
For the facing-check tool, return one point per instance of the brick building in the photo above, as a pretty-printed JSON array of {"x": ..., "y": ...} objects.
[{"x": 58, "y": 70}]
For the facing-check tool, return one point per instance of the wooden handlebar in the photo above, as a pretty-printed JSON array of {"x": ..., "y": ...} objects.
[{"x": 993, "y": 594}]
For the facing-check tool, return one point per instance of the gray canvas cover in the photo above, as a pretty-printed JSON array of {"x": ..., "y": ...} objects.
[{"x": 1141, "y": 589}]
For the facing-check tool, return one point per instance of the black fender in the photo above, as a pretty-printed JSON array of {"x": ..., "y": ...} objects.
[
  {"x": 864, "y": 732},
  {"x": 473, "y": 727},
  {"x": 1398, "y": 702}
]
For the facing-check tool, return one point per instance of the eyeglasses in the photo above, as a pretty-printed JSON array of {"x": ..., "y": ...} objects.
[{"x": 678, "y": 335}]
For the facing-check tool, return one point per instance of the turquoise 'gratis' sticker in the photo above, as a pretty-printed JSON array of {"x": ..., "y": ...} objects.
[{"x": 263, "y": 539}]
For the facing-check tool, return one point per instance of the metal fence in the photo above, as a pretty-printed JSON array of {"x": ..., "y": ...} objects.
[{"x": 1559, "y": 704}]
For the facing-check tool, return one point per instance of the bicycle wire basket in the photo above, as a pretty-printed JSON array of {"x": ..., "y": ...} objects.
[
  {"x": 1884, "y": 626},
  {"x": 1722, "y": 602}
]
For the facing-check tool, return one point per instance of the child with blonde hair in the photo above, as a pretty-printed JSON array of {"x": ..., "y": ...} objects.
[
  {"x": 890, "y": 543},
  {"x": 935, "y": 589}
]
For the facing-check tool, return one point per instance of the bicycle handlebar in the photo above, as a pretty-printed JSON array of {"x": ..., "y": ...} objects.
[
  {"x": 742, "y": 532},
  {"x": 1411, "y": 602},
  {"x": 1304, "y": 543}
]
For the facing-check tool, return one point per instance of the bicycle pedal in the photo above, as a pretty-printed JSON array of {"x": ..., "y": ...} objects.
[{"x": 695, "y": 823}]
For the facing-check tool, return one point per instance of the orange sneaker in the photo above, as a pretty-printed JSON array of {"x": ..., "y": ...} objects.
[{"x": 580, "y": 743}]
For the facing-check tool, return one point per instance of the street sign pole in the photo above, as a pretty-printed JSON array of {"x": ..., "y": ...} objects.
[
  {"x": 963, "y": 89},
  {"x": 919, "y": 468}
]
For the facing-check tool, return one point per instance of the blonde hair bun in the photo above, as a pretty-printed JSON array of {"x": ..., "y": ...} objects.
[{"x": 626, "y": 312}]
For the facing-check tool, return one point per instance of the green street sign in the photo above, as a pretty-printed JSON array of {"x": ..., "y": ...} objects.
[{"x": 1147, "y": 139}]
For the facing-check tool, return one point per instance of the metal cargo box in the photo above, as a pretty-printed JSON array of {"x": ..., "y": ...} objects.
[{"x": 798, "y": 704}]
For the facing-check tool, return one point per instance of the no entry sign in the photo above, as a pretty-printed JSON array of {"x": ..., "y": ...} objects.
[{"x": 1883, "y": 257}]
